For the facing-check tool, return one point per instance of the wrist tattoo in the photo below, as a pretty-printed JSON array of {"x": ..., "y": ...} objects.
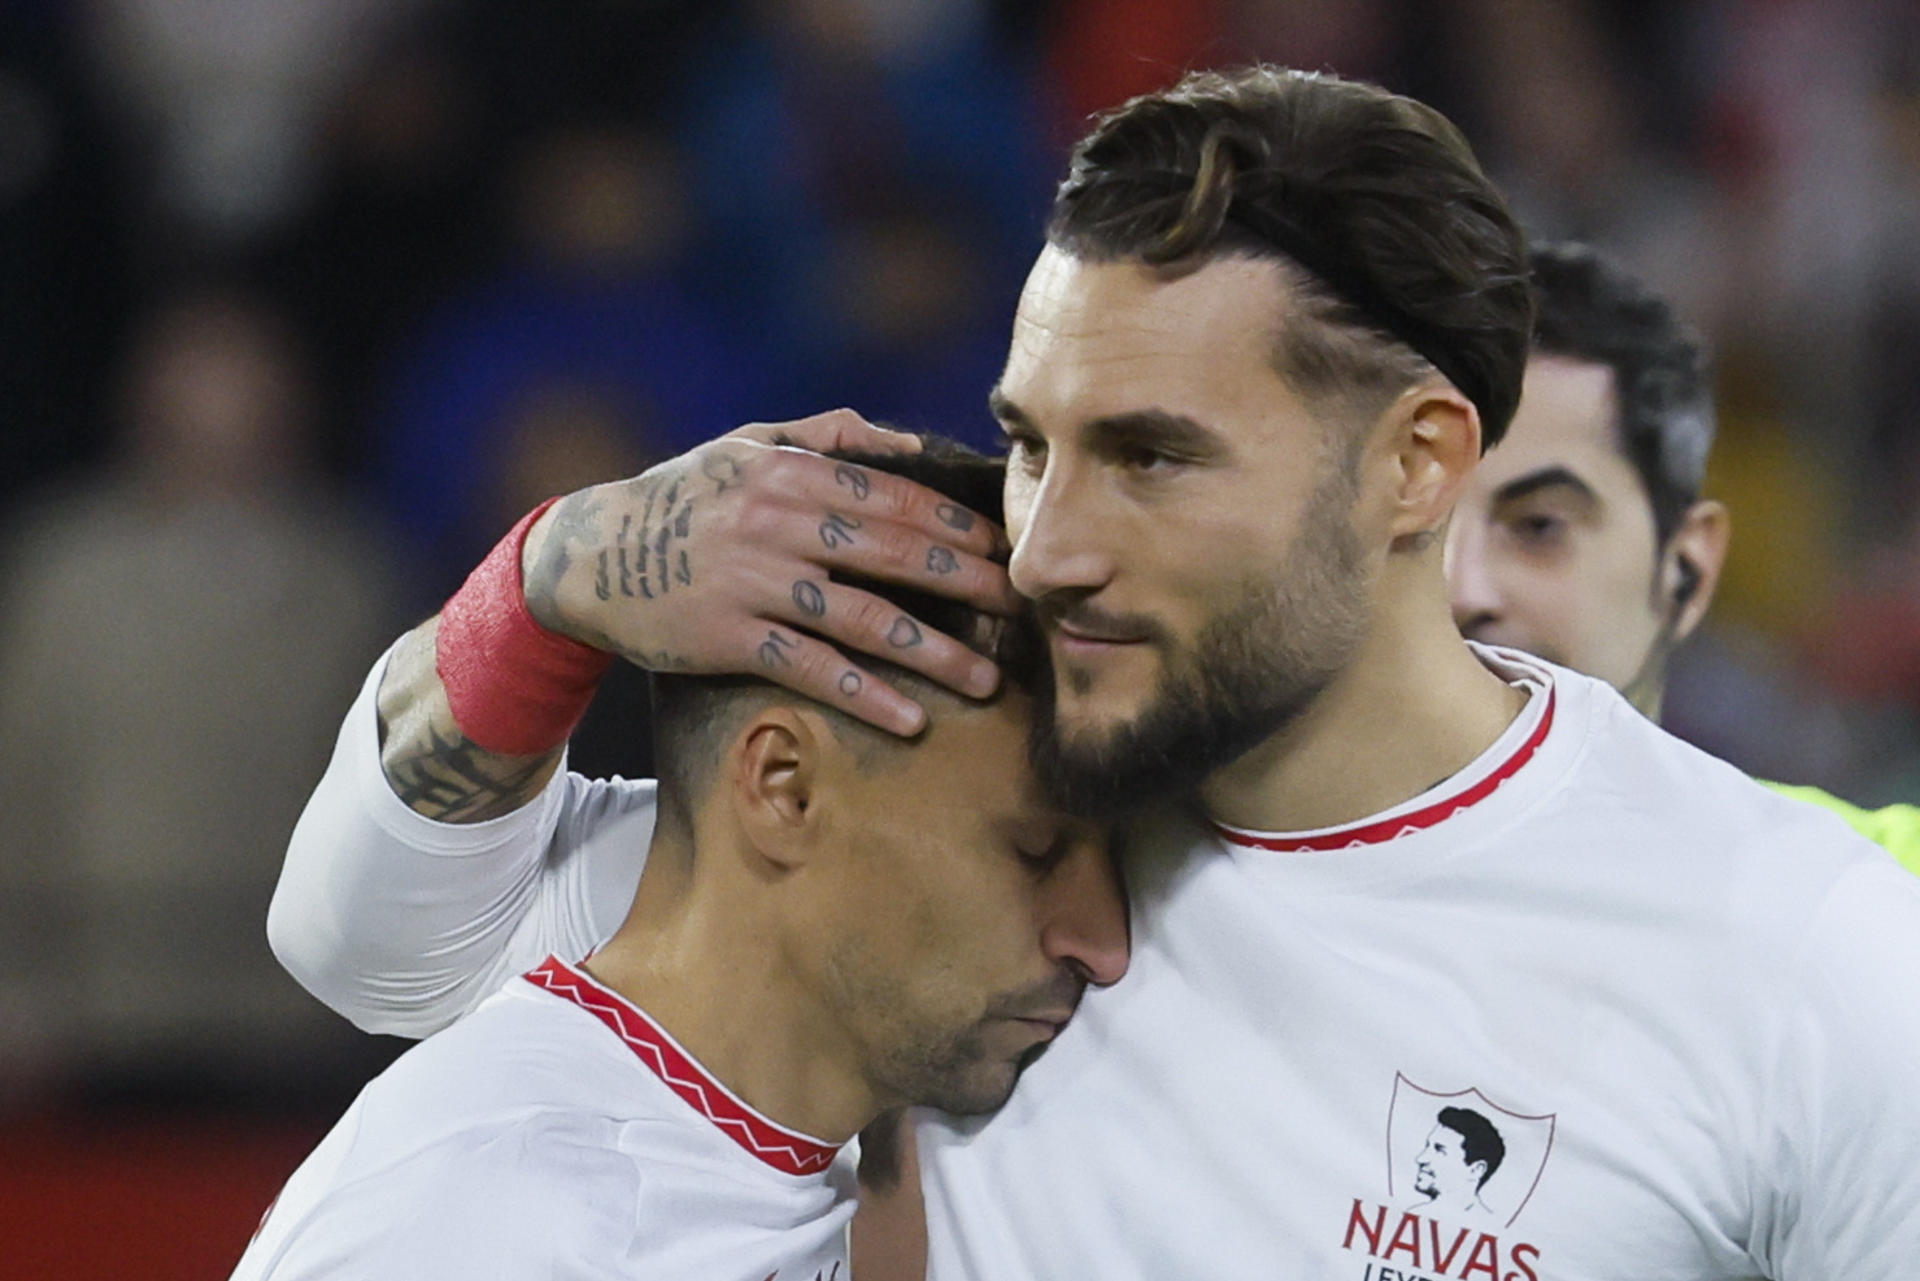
[{"x": 576, "y": 519}]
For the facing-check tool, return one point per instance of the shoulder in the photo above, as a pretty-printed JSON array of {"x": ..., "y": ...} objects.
[
  {"x": 594, "y": 803},
  {"x": 537, "y": 1195},
  {"x": 1894, "y": 828},
  {"x": 521, "y": 1052},
  {"x": 1641, "y": 796}
]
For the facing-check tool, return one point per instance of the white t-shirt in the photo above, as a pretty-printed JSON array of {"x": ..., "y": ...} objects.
[
  {"x": 556, "y": 1132},
  {"x": 1688, "y": 1009}
]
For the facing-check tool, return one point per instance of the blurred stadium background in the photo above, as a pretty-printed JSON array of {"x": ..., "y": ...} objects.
[{"x": 302, "y": 302}]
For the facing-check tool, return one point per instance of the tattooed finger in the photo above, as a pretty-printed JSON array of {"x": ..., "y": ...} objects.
[
  {"x": 836, "y": 531},
  {"x": 853, "y": 478},
  {"x": 775, "y": 649},
  {"x": 809, "y": 599}
]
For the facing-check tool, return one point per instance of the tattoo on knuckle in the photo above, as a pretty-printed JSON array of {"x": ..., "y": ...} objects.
[
  {"x": 853, "y": 478},
  {"x": 809, "y": 599},
  {"x": 836, "y": 531},
  {"x": 954, "y": 516},
  {"x": 904, "y": 634},
  {"x": 776, "y": 651},
  {"x": 941, "y": 560}
]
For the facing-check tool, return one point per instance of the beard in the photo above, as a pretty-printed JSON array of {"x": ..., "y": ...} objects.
[
  {"x": 1252, "y": 670},
  {"x": 959, "y": 1071}
]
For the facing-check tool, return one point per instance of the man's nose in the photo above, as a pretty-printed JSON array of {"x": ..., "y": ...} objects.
[
  {"x": 1061, "y": 540},
  {"x": 1085, "y": 926}
]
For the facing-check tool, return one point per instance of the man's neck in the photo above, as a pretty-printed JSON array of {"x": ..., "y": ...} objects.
[
  {"x": 711, "y": 974},
  {"x": 1415, "y": 708}
]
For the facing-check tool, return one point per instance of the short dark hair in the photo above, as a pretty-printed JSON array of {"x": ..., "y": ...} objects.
[
  {"x": 1592, "y": 309},
  {"x": 1408, "y": 257},
  {"x": 1479, "y": 1141},
  {"x": 694, "y": 717}
]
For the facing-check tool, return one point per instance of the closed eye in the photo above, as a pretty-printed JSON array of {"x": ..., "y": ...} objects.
[{"x": 1043, "y": 860}]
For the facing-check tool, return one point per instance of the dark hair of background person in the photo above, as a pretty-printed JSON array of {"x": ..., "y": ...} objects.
[
  {"x": 1594, "y": 311},
  {"x": 1411, "y": 256},
  {"x": 694, "y": 717},
  {"x": 1479, "y": 1141}
]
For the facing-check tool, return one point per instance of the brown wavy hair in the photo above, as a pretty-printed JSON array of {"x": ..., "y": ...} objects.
[{"x": 1401, "y": 255}]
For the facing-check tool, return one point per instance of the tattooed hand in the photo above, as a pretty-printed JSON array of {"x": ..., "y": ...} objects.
[{"x": 719, "y": 561}]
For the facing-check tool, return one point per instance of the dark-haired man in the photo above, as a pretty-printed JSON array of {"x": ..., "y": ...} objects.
[
  {"x": 832, "y": 921},
  {"x": 1277, "y": 317},
  {"x": 1584, "y": 538},
  {"x": 1462, "y": 1151}
]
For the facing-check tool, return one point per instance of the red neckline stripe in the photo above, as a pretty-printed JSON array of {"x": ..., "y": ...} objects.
[
  {"x": 1383, "y": 830},
  {"x": 782, "y": 1149}
]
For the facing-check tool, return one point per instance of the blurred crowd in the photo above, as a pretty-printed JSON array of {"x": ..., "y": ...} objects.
[{"x": 302, "y": 304}]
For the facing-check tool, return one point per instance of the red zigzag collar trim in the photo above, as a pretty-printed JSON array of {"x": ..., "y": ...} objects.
[
  {"x": 1380, "y": 831},
  {"x": 783, "y": 1149}
]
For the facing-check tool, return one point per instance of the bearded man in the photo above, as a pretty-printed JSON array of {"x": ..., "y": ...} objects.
[{"x": 1277, "y": 319}]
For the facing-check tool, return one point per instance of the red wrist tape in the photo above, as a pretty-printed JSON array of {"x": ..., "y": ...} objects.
[{"x": 516, "y": 689}]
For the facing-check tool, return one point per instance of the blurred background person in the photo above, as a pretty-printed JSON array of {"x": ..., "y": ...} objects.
[
  {"x": 152, "y": 746},
  {"x": 1583, "y": 538}
]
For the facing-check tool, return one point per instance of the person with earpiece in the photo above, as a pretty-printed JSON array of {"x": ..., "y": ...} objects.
[{"x": 1583, "y": 538}]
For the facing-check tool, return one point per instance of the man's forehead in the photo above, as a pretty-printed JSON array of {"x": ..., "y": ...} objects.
[
  {"x": 1568, "y": 419},
  {"x": 1568, "y": 403},
  {"x": 1100, "y": 339},
  {"x": 1231, "y": 302}
]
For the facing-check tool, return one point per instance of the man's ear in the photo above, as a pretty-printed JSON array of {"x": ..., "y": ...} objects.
[
  {"x": 1433, "y": 441},
  {"x": 776, "y": 770},
  {"x": 1691, "y": 563}
]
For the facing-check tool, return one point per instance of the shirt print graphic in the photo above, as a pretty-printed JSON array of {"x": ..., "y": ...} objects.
[{"x": 1460, "y": 1170}]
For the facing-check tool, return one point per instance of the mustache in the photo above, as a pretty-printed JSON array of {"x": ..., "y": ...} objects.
[
  {"x": 1076, "y": 612},
  {"x": 1047, "y": 999}
]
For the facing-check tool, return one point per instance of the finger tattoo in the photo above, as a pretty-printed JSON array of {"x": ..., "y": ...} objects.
[
  {"x": 954, "y": 516},
  {"x": 853, "y": 478},
  {"x": 837, "y": 531},
  {"x": 810, "y": 600},
  {"x": 941, "y": 560},
  {"x": 904, "y": 634},
  {"x": 773, "y": 650},
  {"x": 850, "y": 682}
]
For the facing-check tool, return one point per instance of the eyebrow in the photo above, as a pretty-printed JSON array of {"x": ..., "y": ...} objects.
[
  {"x": 1159, "y": 428},
  {"x": 1554, "y": 477}
]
